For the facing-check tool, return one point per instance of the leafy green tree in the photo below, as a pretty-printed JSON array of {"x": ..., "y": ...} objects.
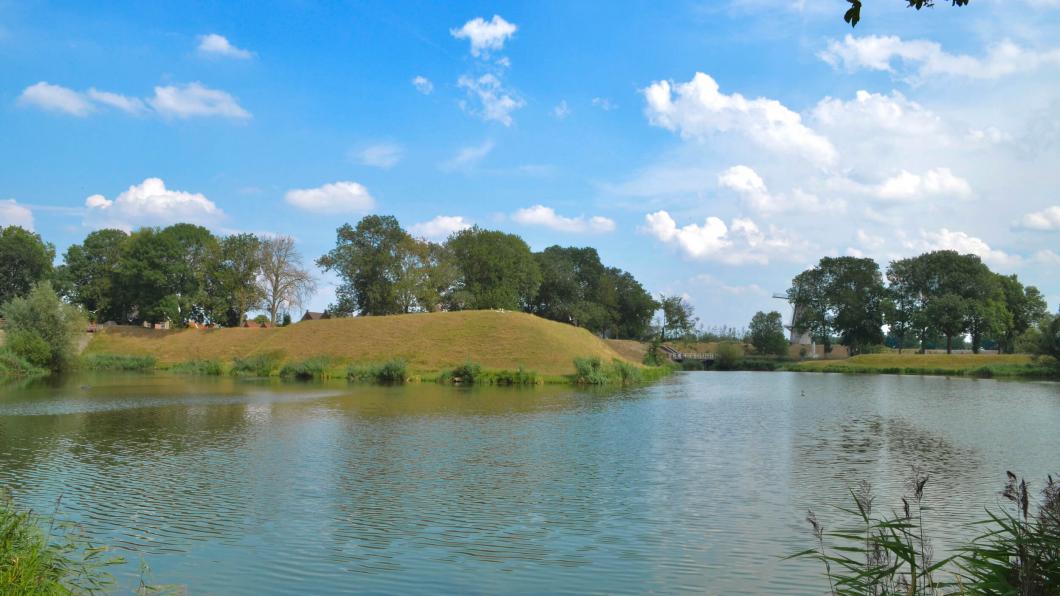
[
  {"x": 1049, "y": 340},
  {"x": 1025, "y": 306},
  {"x": 949, "y": 315},
  {"x": 44, "y": 327},
  {"x": 904, "y": 307},
  {"x": 853, "y": 14},
  {"x": 844, "y": 296},
  {"x": 635, "y": 306},
  {"x": 148, "y": 275},
  {"x": 196, "y": 258},
  {"x": 678, "y": 317},
  {"x": 91, "y": 274},
  {"x": 370, "y": 260},
  {"x": 25, "y": 260},
  {"x": 766, "y": 334},
  {"x": 496, "y": 270}
]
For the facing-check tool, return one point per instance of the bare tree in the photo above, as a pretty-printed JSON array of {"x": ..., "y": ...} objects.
[{"x": 284, "y": 281}]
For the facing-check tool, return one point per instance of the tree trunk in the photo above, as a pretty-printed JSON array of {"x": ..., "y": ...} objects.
[
  {"x": 975, "y": 343},
  {"x": 949, "y": 344}
]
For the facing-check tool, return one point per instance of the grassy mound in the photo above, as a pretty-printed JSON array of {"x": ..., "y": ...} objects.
[{"x": 427, "y": 342}]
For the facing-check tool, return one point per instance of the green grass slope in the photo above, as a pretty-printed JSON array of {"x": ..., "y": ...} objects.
[{"x": 429, "y": 342}]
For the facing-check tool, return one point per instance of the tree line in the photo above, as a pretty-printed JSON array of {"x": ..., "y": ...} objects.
[
  {"x": 385, "y": 270},
  {"x": 181, "y": 273},
  {"x": 939, "y": 294}
]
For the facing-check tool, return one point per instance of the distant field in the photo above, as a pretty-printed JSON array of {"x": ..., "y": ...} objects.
[
  {"x": 912, "y": 363},
  {"x": 429, "y": 342}
]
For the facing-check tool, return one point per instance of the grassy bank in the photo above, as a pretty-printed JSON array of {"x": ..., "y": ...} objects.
[{"x": 908, "y": 363}]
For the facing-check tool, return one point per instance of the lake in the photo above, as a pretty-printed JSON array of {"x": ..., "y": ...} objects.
[{"x": 699, "y": 483}]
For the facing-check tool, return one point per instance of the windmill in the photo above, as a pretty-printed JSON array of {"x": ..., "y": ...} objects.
[{"x": 794, "y": 336}]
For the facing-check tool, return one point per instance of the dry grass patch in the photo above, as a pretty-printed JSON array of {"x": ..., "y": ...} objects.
[{"x": 909, "y": 360}]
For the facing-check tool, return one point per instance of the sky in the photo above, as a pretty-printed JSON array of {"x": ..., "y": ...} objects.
[{"x": 714, "y": 149}]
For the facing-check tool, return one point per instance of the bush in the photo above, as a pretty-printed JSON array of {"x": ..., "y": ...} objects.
[
  {"x": 257, "y": 365},
  {"x": 118, "y": 362},
  {"x": 626, "y": 373},
  {"x": 13, "y": 365},
  {"x": 31, "y": 347},
  {"x": 727, "y": 354},
  {"x": 311, "y": 368},
  {"x": 388, "y": 373},
  {"x": 590, "y": 371},
  {"x": 468, "y": 373},
  {"x": 54, "y": 322},
  {"x": 199, "y": 367}
]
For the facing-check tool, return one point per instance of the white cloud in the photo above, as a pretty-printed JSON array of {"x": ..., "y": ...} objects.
[
  {"x": 906, "y": 186},
  {"x": 562, "y": 110},
  {"x": 193, "y": 99},
  {"x": 749, "y": 185},
  {"x": 1046, "y": 219},
  {"x": 55, "y": 98},
  {"x": 742, "y": 242},
  {"x": 467, "y": 158},
  {"x": 604, "y": 104},
  {"x": 497, "y": 102},
  {"x": 13, "y": 214},
  {"x": 945, "y": 239},
  {"x": 697, "y": 109},
  {"x": 186, "y": 101},
  {"x": 150, "y": 203},
  {"x": 213, "y": 44},
  {"x": 485, "y": 36},
  {"x": 129, "y": 105},
  {"x": 1047, "y": 257},
  {"x": 422, "y": 84},
  {"x": 336, "y": 197},
  {"x": 893, "y": 113},
  {"x": 383, "y": 155},
  {"x": 880, "y": 53},
  {"x": 539, "y": 215},
  {"x": 440, "y": 228}
]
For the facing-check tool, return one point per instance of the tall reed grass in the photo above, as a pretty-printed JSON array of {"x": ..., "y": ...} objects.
[{"x": 118, "y": 362}]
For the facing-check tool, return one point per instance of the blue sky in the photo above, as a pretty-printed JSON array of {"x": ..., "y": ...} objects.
[{"x": 713, "y": 149}]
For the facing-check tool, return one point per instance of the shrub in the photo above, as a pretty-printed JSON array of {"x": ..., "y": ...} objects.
[
  {"x": 468, "y": 373},
  {"x": 590, "y": 371},
  {"x": 118, "y": 362},
  {"x": 519, "y": 376},
  {"x": 627, "y": 373},
  {"x": 390, "y": 372},
  {"x": 727, "y": 354},
  {"x": 256, "y": 365},
  {"x": 31, "y": 347},
  {"x": 198, "y": 367},
  {"x": 54, "y": 322},
  {"x": 13, "y": 365},
  {"x": 311, "y": 368}
]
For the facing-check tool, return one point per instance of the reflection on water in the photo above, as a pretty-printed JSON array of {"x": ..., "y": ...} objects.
[{"x": 699, "y": 483}]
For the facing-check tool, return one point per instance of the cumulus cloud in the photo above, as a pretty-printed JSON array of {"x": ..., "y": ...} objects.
[
  {"x": 906, "y": 186},
  {"x": 422, "y": 84},
  {"x": 194, "y": 99},
  {"x": 1047, "y": 219},
  {"x": 697, "y": 109},
  {"x": 440, "y": 228},
  {"x": 467, "y": 158},
  {"x": 185, "y": 101},
  {"x": 927, "y": 58},
  {"x": 213, "y": 44},
  {"x": 494, "y": 101},
  {"x": 485, "y": 36},
  {"x": 336, "y": 197},
  {"x": 13, "y": 214},
  {"x": 562, "y": 110},
  {"x": 383, "y": 155},
  {"x": 945, "y": 239},
  {"x": 150, "y": 203},
  {"x": 55, "y": 98},
  {"x": 539, "y": 215},
  {"x": 893, "y": 113},
  {"x": 749, "y": 185},
  {"x": 741, "y": 242}
]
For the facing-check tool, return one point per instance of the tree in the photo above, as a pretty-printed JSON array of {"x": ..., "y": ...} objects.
[
  {"x": 234, "y": 278},
  {"x": 43, "y": 327},
  {"x": 196, "y": 258},
  {"x": 853, "y": 14},
  {"x": 678, "y": 317},
  {"x": 844, "y": 296},
  {"x": 496, "y": 270},
  {"x": 948, "y": 314},
  {"x": 370, "y": 260},
  {"x": 283, "y": 282},
  {"x": 767, "y": 334},
  {"x": 1025, "y": 306},
  {"x": 1049, "y": 342},
  {"x": 25, "y": 260},
  {"x": 904, "y": 306},
  {"x": 90, "y": 275},
  {"x": 148, "y": 276}
]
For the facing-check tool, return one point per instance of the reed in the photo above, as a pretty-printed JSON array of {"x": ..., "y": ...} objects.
[
  {"x": 308, "y": 369},
  {"x": 118, "y": 362},
  {"x": 391, "y": 372},
  {"x": 199, "y": 367},
  {"x": 257, "y": 365}
]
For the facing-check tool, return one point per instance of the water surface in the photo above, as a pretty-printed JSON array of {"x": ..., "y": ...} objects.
[{"x": 697, "y": 484}]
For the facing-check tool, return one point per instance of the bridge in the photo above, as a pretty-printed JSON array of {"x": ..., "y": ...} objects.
[{"x": 676, "y": 356}]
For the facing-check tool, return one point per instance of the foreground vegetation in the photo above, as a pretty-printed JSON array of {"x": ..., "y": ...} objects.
[
  {"x": 1016, "y": 550},
  {"x": 47, "y": 557}
]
